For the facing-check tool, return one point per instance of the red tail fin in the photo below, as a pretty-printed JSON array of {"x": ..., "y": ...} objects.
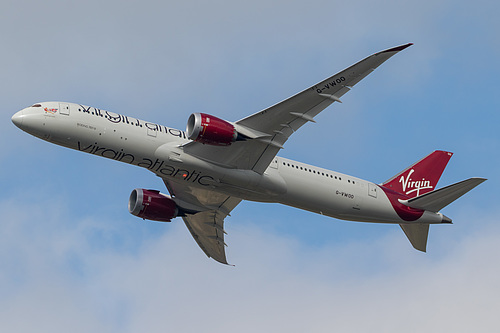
[{"x": 421, "y": 177}]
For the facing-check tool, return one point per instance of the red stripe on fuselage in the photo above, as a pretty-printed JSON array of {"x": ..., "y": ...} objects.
[{"x": 404, "y": 212}]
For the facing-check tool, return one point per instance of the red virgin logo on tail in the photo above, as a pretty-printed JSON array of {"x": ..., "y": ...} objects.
[{"x": 410, "y": 186}]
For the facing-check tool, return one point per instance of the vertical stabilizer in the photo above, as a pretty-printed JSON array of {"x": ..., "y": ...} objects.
[
  {"x": 421, "y": 177},
  {"x": 417, "y": 235}
]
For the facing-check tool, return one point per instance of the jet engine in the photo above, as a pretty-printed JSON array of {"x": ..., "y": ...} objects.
[
  {"x": 152, "y": 205},
  {"x": 207, "y": 129}
]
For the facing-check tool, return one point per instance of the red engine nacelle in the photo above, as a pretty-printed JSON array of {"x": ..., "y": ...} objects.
[
  {"x": 204, "y": 128},
  {"x": 152, "y": 205}
]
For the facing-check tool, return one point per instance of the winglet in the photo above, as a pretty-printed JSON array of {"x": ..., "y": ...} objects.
[{"x": 398, "y": 48}]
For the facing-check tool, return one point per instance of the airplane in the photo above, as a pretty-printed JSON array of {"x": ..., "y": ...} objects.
[{"x": 215, "y": 164}]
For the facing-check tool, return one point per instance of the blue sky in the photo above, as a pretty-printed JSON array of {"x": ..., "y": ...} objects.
[{"x": 73, "y": 258}]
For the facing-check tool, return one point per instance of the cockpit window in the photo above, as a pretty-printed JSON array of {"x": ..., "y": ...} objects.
[{"x": 36, "y": 106}]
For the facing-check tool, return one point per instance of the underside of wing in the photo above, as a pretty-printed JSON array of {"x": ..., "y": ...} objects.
[
  {"x": 207, "y": 229},
  {"x": 278, "y": 122},
  {"x": 205, "y": 218}
]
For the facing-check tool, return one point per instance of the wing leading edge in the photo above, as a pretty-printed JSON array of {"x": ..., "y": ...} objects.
[{"x": 281, "y": 120}]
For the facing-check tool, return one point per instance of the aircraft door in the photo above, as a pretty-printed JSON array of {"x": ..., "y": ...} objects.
[
  {"x": 274, "y": 164},
  {"x": 372, "y": 190},
  {"x": 358, "y": 198},
  {"x": 64, "y": 108},
  {"x": 152, "y": 129}
]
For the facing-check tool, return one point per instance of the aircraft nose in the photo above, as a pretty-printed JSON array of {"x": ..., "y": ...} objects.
[{"x": 17, "y": 118}]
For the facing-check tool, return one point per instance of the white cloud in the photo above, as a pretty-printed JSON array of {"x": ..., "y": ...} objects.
[{"x": 57, "y": 274}]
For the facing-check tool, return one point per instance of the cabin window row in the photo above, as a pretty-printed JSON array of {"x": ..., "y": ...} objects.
[{"x": 316, "y": 172}]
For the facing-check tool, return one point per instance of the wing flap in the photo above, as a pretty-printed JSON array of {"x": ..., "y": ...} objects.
[
  {"x": 206, "y": 226},
  {"x": 208, "y": 231}
]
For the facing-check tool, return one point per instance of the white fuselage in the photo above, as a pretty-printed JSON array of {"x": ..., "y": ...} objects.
[{"x": 156, "y": 148}]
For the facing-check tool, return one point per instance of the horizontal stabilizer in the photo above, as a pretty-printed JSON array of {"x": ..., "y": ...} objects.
[
  {"x": 436, "y": 200},
  {"x": 417, "y": 235}
]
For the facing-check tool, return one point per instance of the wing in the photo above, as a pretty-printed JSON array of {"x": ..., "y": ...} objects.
[
  {"x": 272, "y": 127},
  {"x": 207, "y": 226}
]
